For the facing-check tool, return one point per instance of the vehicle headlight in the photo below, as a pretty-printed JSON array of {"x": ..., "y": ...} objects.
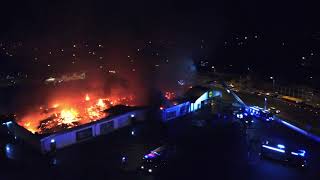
[
  {"x": 142, "y": 167},
  {"x": 150, "y": 170}
]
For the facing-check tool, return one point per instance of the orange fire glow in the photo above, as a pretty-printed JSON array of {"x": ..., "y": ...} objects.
[
  {"x": 169, "y": 95},
  {"x": 87, "y": 97},
  {"x": 69, "y": 116},
  {"x": 63, "y": 115}
]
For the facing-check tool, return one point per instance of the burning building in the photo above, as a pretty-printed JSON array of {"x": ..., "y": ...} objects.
[
  {"x": 68, "y": 114},
  {"x": 66, "y": 123}
]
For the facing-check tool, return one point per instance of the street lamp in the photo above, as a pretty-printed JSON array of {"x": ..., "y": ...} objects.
[
  {"x": 265, "y": 103},
  {"x": 273, "y": 81},
  {"x": 214, "y": 69}
]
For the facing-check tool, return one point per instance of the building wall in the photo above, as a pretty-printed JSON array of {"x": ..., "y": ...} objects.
[
  {"x": 23, "y": 134},
  {"x": 101, "y": 127},
  {"x": 197, "y": 104},
  {"x": 176, "y": 111}
]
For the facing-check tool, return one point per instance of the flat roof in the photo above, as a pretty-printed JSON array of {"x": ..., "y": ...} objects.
[{"x": 195, "y": 92}]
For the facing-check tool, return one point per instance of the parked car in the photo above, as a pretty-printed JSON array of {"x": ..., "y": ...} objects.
[{"x": 284, "y": 154}]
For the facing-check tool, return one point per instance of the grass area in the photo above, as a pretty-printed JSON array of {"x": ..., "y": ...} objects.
[{"x": 295, "y": 115}]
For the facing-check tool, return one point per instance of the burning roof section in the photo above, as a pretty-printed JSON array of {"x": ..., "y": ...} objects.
[{"x": 66, "y": 115}]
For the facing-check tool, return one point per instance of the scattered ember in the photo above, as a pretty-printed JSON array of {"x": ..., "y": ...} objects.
[
  {"x": 87, "y": 97},
  {"x": 169, "y": 95}
]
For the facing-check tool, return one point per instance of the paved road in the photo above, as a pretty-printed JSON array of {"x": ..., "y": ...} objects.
[{"x": 304, "y": 118}]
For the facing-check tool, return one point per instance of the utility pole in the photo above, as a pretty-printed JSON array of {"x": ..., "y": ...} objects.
[{"x": 273, "y": 82}]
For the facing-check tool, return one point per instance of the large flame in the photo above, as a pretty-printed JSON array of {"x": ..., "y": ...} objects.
[
  {"x": 63, "y": 115},
  {"x": 69, "y": 116}
]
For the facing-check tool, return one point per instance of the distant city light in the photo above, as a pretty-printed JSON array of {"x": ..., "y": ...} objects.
[
  {"x": 123, "y": 159},
  {"x": 7, "y": 148}
]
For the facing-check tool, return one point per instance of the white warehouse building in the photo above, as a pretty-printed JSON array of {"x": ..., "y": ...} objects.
[{"x": 120, "y": 116}]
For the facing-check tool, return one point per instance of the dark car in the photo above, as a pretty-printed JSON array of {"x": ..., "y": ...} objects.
[
  {"x": 283, "y": 154},
  {"x": 157, "y": 159}
]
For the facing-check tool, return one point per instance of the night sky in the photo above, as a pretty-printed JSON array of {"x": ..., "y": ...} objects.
[
  {"x": 38, "y": 19},
  {"x": 123, "y": 25}
]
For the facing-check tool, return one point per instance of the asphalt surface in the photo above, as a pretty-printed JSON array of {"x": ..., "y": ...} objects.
[
  {"x": 220, "y": 149},
  {"x": 303, "y": 117},
  {"x": 277, "y": 170}
]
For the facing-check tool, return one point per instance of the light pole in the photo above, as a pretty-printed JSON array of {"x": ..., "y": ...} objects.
[
  {"x": 273, "y": 81},
  {"x": 265, "y": 103},
  {"x": 214, "y": 69}
]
